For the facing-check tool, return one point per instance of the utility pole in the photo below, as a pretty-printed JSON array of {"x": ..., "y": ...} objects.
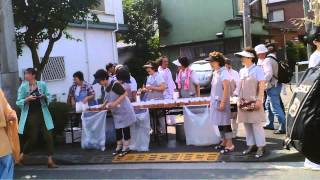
[
  {"x": 246, "y": 24},
  {"x": 308, "y": 25},
  {"x": 8, "y": 55}
]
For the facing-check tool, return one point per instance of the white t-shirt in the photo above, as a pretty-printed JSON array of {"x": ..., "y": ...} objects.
[
  {"x": 170, "y": 85},
  {"x": 314, "y": 59},
  {"x": 77, "y": 91},
  {"x": 234, "y": 75},
  {"x": 245, "y": 72},
  {"x": 133, "y": 84}
]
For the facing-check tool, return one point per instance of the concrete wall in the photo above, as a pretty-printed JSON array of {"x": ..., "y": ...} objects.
[
  {"x": 99, "y": 52},
  {"x": 200, "y": 20}
]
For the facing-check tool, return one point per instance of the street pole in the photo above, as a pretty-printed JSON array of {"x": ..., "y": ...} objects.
[
  {"x": 246, "y": 24},
  {"x": 308, "y": 25},
  {"x": 8, "y": 54}
]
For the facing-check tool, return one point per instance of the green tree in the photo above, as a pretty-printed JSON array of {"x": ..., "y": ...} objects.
[
  {"x": 39, "y": 21},
  {"x": 144, "y": 25},
  {"x": 292, "y": 53}
]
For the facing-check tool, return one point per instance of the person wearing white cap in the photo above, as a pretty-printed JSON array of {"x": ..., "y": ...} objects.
[
  {"x": 178, "y": 67},
  {"x": 250, "y": 105},
  {"x": 273, "y": 102}
]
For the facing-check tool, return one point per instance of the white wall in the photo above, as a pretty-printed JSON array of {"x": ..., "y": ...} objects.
[
  {"x": 113, "y": 12},
  {"x": 100, "y": 52}
]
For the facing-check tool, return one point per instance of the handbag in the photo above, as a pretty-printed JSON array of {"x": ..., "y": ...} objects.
[{"x": 246, "y": 105}]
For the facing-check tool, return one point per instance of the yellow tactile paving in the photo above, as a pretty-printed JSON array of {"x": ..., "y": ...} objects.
[{"x": 168, "y": 157}]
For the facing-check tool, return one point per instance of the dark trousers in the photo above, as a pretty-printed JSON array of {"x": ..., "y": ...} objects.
[
  {"x": 225, "y": 131},
  {"x": 36, "y": 126},
  {"x": 123, "y": 133}
]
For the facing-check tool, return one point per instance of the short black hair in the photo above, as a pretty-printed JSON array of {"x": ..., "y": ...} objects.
[
  {"x": 31, "y": 71},
  {"x": 110, "y": 65},
  {"x": 184, "y": 61},
  {"x": 227, "y": 61},
  {"x": 317, "y": 37},
  {"x": 101, "y": 75},
  {"x": 123, "y": 75},
  {"x": 78, "y": 75}
]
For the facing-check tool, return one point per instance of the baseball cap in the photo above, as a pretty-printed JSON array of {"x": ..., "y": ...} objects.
[
  {"x": 261, "y": 48},
  {"x": 177, "y": 63}
]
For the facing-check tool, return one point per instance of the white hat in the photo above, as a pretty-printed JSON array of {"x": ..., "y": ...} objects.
[
  {"x": 177, "y": 63},
  {"x": 245, "y": 54},
  {"x": 261, "y": 48}
]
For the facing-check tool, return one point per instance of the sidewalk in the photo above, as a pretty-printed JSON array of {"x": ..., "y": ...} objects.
[{"x": 73, "y": 154}]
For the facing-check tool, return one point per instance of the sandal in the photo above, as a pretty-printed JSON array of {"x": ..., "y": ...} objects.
[
  {"x": 116, "y": 152},
  {"x": 124, "y": 152},
  {"x": 260, "y": 152},
  {"x": 227, "y": 150},
  {"x": 250, "y": 149},
  {"x": 219, "y": 147}
]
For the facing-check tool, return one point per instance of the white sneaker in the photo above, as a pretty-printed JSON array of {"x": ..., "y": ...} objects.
[{"x": 310, "y": 165}]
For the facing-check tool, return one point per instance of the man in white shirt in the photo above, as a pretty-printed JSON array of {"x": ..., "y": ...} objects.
[
  {"x": 235, "y": 86},
  {"x": 167, "y": 76},
  {"x": 273, "y": 102}
]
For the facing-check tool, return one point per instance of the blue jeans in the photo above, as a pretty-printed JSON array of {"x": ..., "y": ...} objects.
[
  {"x": 6, "y": 167},
  {"x": 273, "y": 107}
]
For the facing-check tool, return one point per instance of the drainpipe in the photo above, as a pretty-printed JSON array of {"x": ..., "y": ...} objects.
[
  {"x": 114, "y": 37},
  {"x": 87, "y": 50}
]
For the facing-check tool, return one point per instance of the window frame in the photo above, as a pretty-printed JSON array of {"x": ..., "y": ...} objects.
[{"x": 271, "y": 13}]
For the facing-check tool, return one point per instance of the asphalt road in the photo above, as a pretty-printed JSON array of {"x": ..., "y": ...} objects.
[{"x": 261, "y": 171}]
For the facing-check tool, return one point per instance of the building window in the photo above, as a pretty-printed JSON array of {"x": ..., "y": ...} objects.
[
  {"x": 54, "y": 69},
  {"x": 276, "y": 15}
]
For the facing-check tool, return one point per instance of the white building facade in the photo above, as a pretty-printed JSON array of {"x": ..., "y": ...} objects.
[{"x": 96, "y": 48}]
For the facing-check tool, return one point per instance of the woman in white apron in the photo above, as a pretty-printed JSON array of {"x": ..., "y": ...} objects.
[
  {"x": 187, "y": 80},
  {"x": 220, "y": 112},
  {"x": 154, "y": 89},
  {"x": 122, "y": 111},
  {"x": 250, "y": 108},
  {"x": 155, "y": 85}
]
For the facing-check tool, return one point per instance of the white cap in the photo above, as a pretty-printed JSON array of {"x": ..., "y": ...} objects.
[
  {"x": 261, "y": 48},
  {"x": 245, "y": 54},
  {"x": 177, "y": 63}
]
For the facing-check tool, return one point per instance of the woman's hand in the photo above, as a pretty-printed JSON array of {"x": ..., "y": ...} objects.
[
  {"x": 258, "y": 105},
  {"x": 149, "y": 88},
  {"x": 85, "y": 100},
  {"x": 31, "y": 98},
  {"x": 110, "y": 105},
  {"x": 222, "y": 106}
]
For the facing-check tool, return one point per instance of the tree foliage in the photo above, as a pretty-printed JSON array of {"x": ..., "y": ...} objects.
[
  {"x": 144, "y": 19},
  {"x": 39, "y": 21}
]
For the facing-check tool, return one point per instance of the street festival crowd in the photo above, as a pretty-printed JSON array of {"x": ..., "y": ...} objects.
[{"x": 255, "y": 87}]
